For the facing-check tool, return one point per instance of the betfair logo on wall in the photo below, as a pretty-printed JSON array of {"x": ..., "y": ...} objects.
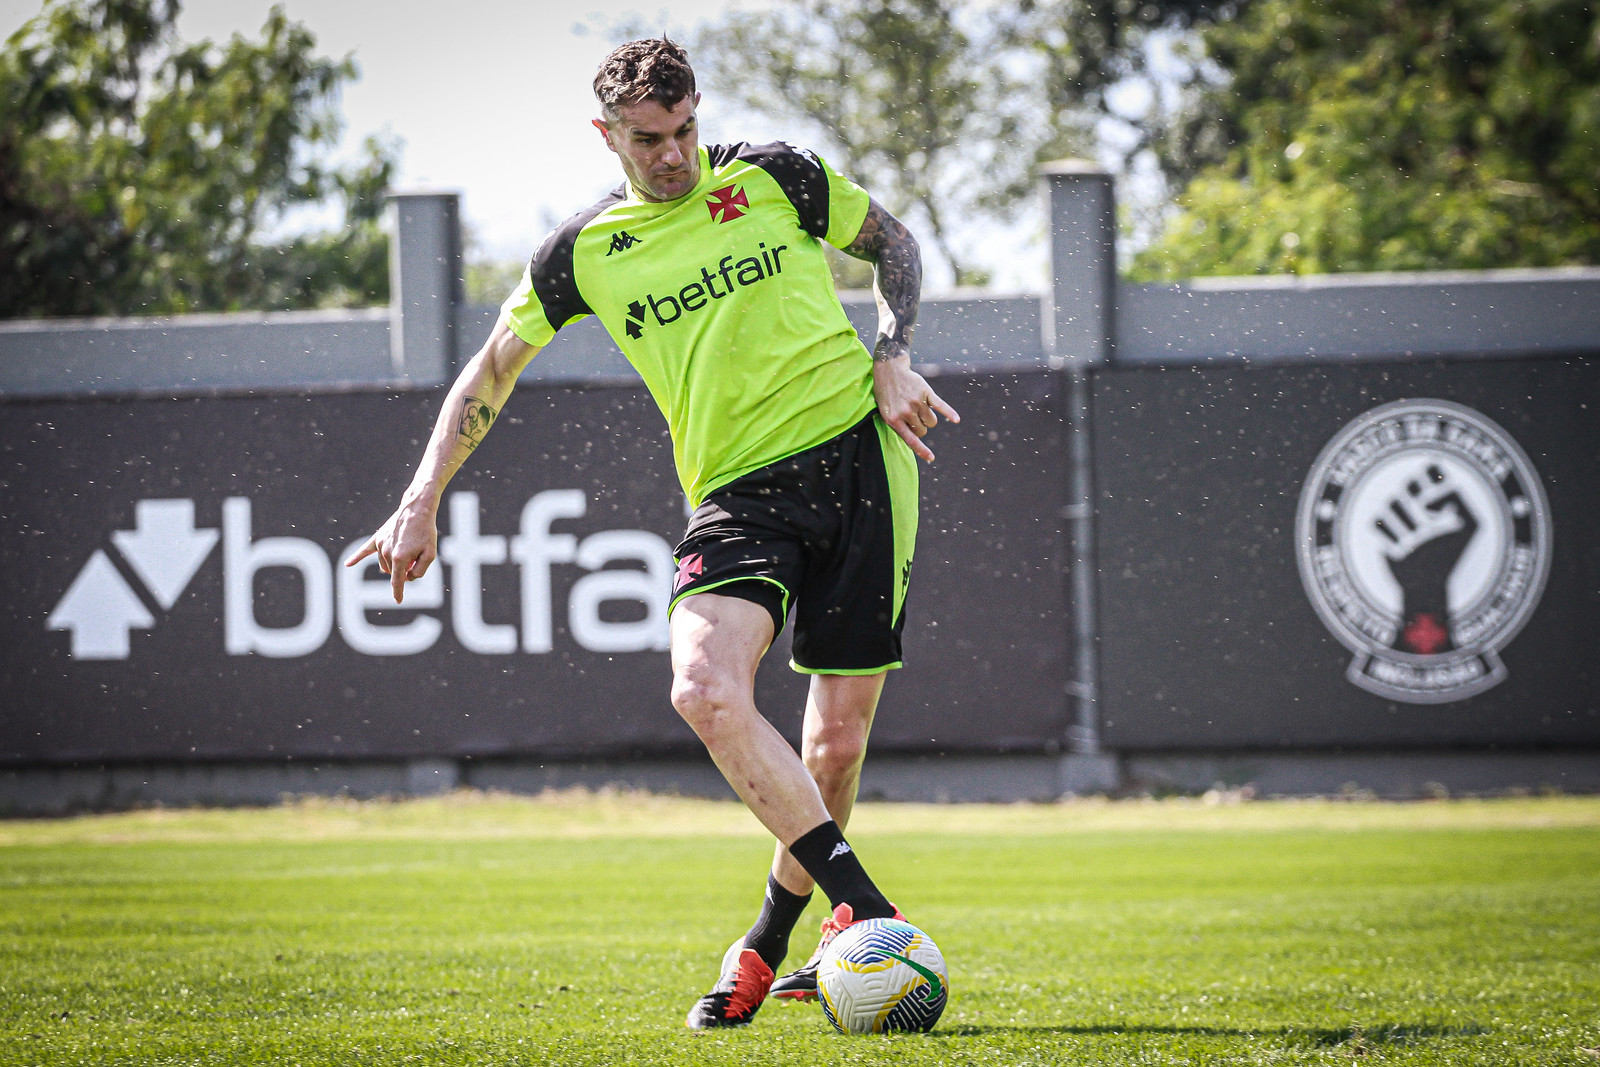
[{"x": 132, "y": 583}]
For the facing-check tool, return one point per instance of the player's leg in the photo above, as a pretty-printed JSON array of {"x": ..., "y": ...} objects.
[
  {"x": 848, "y": 626},
  {"x": 838, "y": 717},
  {"x": 717, "y": 642},
  {"x": 833, "y": 746}
]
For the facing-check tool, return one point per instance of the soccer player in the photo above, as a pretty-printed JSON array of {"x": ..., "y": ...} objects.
[{"x": 794, "y": 444}]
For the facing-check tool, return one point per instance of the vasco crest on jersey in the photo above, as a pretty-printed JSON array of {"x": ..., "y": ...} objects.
[{"x": 1423, "y": 537}]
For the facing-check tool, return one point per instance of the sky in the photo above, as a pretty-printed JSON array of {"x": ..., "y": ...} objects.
[{"x": 489, "y": 97}]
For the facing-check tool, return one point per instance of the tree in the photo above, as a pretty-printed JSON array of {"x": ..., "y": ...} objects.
[
  {"x": 944, "y": 107},
  {"x": 1084, "y": 50},
  {"x": 1396, "y": 135},
  {"x": 142, "y": 174},
  {"x": 902, "y": 94}
]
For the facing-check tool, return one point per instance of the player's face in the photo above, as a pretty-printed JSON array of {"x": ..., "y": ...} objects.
[{"x": 659, "y": 148}]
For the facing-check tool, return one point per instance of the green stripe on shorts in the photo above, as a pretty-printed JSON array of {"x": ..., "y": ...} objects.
[{"x": 901, "y": 465}]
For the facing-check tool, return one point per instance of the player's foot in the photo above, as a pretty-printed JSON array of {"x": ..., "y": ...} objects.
[
  {"x": 738, "y": 993},
  {"x": 802, "y": 984}
]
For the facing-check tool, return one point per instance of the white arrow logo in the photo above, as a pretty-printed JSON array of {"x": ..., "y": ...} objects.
[
  {"x": 165, "y": 549},
  {"x": 99, "y": 609}
]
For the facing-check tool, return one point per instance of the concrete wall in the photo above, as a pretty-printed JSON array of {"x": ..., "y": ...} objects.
[
  {"x": 1086, "y": 323},
  {"x": 1458, "y": 315},
  {"x": 291, "y": 350},
  {"x": 1451, "y": 314}
]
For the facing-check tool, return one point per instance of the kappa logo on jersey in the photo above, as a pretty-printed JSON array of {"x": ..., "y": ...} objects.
[
  {"x": 622, "y": 240},
  {"x": 804, "y": 153},
  {"x": 731, "y": 273},
  {"x": 728, "y": 203},
  {"x": 1424, "y": 542}
]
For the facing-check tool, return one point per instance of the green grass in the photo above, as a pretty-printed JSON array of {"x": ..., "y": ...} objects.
[{"x": 577, "y": 929}]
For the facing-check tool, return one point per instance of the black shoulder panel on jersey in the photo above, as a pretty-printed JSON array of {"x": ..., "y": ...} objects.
[
  {"x": 798, "y": 173},
  {"x": 552, "y": 271}
]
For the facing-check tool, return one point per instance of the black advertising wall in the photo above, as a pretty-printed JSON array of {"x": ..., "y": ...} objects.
[
  {"x": 1239, "y": 608},
  {"x": 173, "y": 588}
]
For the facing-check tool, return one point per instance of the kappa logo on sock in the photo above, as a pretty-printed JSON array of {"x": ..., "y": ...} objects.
[{"x": 838, "y": 850}]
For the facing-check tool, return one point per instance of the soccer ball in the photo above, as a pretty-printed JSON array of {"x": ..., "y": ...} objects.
[{"x": 881, "y": 975}]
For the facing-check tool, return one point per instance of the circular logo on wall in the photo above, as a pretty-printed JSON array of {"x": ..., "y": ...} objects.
[{"x": 1424, "y": 543}]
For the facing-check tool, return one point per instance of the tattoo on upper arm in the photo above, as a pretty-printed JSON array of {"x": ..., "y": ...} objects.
[
  {"x": 476, "y": 418},
  {"x": 876, "y": 231},
  {"x": 885, "y": 242}
]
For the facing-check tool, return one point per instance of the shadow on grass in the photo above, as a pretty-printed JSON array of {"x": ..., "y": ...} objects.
[{"x": 1354, "y": 1036}]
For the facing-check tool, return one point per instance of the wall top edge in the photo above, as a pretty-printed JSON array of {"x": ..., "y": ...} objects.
[
  {"x": 1073, "y": 166},
  {"x": 1376, "y": 279},
  {"x": 215, "y": 318},
  {"x": 1131, "y": 357},
  {"x": 952, "y": 295}
]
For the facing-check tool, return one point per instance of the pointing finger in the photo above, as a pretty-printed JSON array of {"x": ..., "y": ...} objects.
[
  {"x": 397, "y": 581},
  {"x": 921, "y": 450}
]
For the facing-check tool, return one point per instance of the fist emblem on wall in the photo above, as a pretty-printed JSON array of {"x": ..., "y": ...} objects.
[{"x": 1424, "y": 541}]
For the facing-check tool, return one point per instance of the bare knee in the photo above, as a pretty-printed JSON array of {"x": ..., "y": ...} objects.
[
  {"x": 835, "y": 755},
  {"x": 707, "y": 699}
]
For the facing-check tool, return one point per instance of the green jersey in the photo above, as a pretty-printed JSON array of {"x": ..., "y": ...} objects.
[{"x": 723, "y": 301}]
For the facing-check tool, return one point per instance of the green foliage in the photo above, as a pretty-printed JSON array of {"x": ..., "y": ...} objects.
[
  {"x": 1397, "y": 135},
  {"x": 540, "y": 932},
  {"x": 906, "y": 96},
  {"x": 141, "y": 174},
  {"x": 942, "y": 107},
  {"x": 1085, "y": 48}
]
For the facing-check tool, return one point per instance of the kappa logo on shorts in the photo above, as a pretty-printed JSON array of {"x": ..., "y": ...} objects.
[
  {"x": 622, "y": 240},
  {"x": 689, "y": 568},
  {"x": 728, "y": 203},
  {"x": 1423, "y": 541}
]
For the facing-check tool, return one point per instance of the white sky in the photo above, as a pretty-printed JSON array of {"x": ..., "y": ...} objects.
[{"x": 489, "y": 98}]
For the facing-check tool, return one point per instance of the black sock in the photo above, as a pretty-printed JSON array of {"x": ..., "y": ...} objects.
[
  {"x": 780, "y": 910},
  {"x": 828, "y": 859}
]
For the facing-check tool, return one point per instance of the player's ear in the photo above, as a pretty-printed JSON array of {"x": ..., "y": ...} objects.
[{"x": 605, "y": 132}]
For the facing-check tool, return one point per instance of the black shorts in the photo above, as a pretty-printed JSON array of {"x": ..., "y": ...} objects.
[{"x": 830, "y": 532}]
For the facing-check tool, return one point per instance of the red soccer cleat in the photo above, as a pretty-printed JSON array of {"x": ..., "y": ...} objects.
[{"x": 738, "y": 993}]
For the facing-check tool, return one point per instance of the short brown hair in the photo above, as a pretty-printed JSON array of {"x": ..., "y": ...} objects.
[{"x": 654, "y": 68}]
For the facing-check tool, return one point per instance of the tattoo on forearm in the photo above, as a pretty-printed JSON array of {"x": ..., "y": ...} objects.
[
  {"x": 476, "y": 418},
  {"x": 885, "y": 242}
]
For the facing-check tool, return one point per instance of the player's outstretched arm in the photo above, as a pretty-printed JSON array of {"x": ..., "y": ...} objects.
[
  {"x": 408, "y": 542},
  {"x": 905, "y": 400}
]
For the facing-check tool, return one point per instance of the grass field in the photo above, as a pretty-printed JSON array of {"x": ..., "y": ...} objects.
[{"x": 578, "y": 928}]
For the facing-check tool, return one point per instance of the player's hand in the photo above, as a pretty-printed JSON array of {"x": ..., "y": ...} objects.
[
  {"x": 907, "y": 403},
  {"x": 405, "y": 546}
]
